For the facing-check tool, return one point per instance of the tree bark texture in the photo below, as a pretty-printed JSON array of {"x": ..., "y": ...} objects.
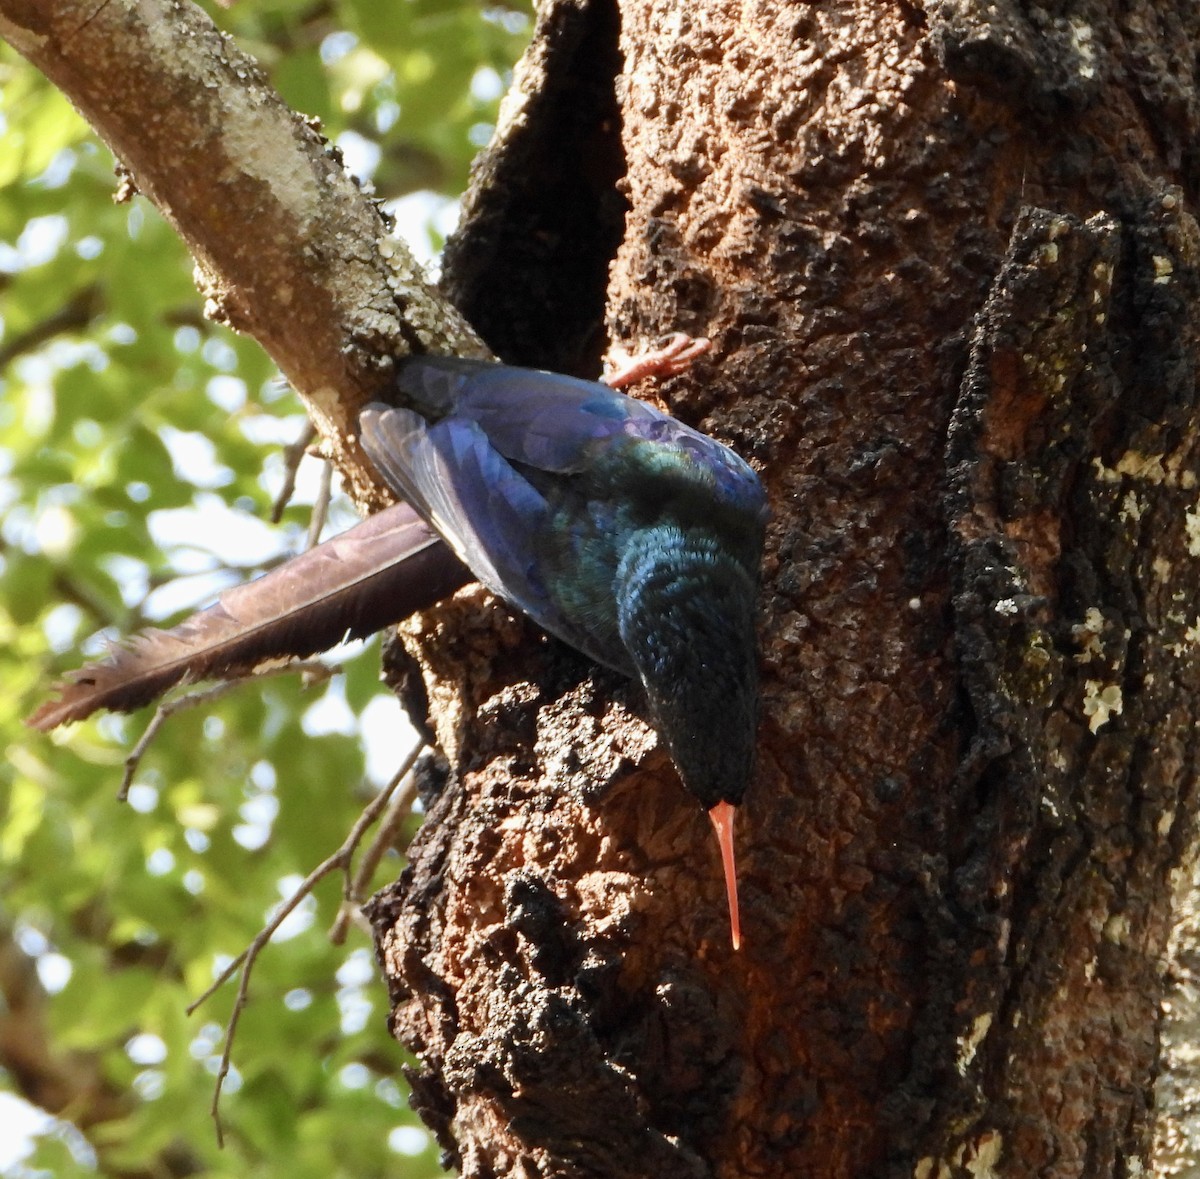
[{"x": 948, "y": 258}]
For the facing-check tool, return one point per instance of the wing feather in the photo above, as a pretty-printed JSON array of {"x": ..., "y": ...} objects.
[
  {"x": 376, "y": 573},
  {"x": 485, "y": 509}
]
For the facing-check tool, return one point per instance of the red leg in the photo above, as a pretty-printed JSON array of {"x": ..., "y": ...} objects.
[{"x": 671, "y": 359}]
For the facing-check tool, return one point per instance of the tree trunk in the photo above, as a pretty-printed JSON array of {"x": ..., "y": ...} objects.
[
  {"x": 948, "y": 262},
  {"x": 946, "y": 256}
]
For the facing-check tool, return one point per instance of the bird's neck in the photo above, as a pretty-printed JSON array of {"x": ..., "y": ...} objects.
[
  {"x": 667, "y": 566},
  {"x": 684, "y": 605},
  {"x": 685, "y": 609}
]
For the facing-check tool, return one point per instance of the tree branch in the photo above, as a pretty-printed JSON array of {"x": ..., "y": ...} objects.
[
  {"x": 281, "y": 234},
  {"x": 339, "y": 860},
  {"x": 77, "y": 312}
]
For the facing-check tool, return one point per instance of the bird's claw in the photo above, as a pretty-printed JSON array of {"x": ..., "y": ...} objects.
[{"x": 674, "y": 357}]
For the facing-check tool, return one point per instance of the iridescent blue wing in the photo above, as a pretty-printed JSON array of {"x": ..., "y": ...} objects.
[
  {"x": 452, "y": 475},
  {"x": 529, "y": 476},
  {"x": 563, "y": 425}
]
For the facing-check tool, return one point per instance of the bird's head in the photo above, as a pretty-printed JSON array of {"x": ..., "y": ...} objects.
[{"x": 686, "y": 611}]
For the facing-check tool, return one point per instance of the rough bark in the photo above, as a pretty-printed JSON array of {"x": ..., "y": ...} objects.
[
  {"x": 977, "y": 778},
  {"x": 976, "y": 798}
]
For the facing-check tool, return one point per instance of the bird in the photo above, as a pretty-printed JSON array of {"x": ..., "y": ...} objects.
[{"x": 613, "y": 525}]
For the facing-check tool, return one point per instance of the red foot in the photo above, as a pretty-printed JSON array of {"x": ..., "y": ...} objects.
[{"x": 671, "y": 359}]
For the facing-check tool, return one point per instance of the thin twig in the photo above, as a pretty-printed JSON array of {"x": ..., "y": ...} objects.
[
  {"x": 293, "y": 456},
  {"x": 246, "y": 959},
  {"x": 352, "y": 897},
  {"x": 313, "y": 671},
  {"x": 316, "y": 522}
]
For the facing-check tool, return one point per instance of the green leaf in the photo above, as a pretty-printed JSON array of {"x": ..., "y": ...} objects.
[{"x": 141, "y": 902}]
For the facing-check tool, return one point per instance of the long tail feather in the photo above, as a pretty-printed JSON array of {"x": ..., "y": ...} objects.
[{"x": 376, "y": 573}]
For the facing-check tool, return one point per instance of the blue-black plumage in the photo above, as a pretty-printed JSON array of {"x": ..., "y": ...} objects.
[{"x": 619, "y": 529}]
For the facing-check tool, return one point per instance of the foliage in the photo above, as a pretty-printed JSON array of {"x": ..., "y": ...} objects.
[{"x": 139, "y": 444}]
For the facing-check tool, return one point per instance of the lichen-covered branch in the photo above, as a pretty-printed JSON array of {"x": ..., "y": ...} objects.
[{"x": 288, "y": 248}]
